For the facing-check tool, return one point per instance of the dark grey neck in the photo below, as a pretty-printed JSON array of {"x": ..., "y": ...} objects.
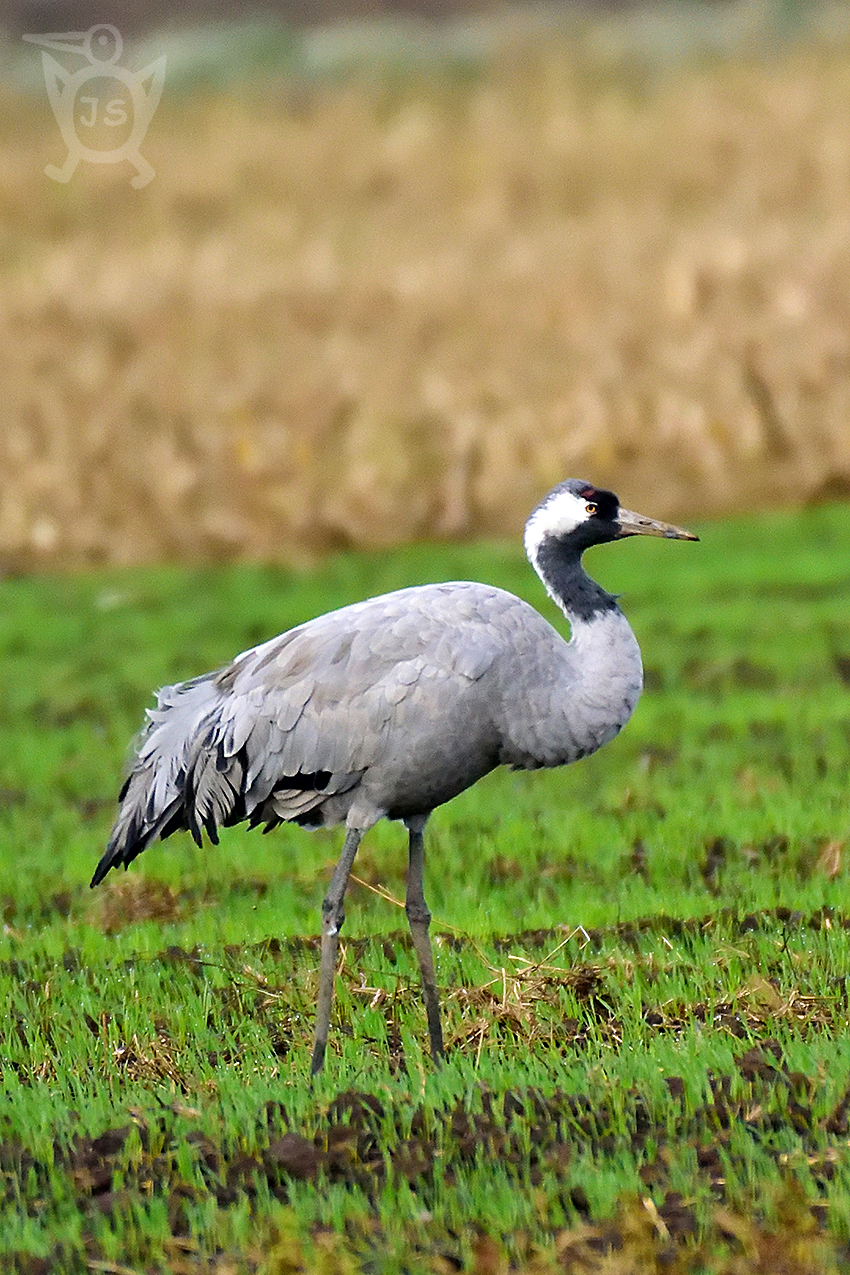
[{"x": 568, "y": 584}]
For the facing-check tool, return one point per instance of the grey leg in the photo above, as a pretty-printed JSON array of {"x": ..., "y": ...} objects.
[
  {"x": 419, "y": 919},
  {"x": 333, "y": 915}
]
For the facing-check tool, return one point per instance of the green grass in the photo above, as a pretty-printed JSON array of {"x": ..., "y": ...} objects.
[{"x": 673, "y": 1075}]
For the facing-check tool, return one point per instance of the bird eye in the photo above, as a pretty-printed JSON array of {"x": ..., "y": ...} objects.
[{"x": 590, "y": 508}]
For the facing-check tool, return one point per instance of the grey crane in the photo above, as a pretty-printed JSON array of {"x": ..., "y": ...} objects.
[{"x": 387, "y": 708}]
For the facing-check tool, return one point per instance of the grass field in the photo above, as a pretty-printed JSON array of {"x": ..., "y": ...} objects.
[{"x": 643, "y": 959}]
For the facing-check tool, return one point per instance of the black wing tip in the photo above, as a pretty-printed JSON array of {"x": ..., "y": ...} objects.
[
  {"x": 122, "y": 850},
  {"x": 107, "y": 863}
]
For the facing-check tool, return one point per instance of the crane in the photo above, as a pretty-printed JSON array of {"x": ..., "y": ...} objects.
[{"x": 390, "y": 707}]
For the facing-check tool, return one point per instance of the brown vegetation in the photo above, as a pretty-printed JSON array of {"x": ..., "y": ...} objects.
[{"x": 372, "y": 312}]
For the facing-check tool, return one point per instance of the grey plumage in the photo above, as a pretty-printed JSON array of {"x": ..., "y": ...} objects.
[{"x": 391, "y": 707}]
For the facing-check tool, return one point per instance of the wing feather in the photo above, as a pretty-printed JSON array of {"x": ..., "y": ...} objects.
[{"x": 324, "y": 699}]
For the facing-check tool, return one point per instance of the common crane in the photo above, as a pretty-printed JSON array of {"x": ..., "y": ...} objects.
[{"x": 387, "y": 708}]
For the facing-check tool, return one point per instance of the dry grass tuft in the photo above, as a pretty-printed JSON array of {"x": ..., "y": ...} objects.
[
  {"x": 155, "y": 1060},
  {"x": 135, "y": 898},
  {"x": 359, "y": 314},
  {"x": 518, "y": 1002}
]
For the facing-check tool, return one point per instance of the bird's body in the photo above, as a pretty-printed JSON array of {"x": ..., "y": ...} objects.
[
  {"x": 306, "y": 727},
  {"x": 391, "y": 707}
]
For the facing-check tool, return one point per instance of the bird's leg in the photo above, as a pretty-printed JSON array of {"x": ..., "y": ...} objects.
[
  {"x": 419, "y": 919},
  {"x": 333, "y": 915}
]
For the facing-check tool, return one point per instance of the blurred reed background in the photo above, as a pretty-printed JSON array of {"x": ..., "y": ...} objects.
[{"x": 392, "y": 286}]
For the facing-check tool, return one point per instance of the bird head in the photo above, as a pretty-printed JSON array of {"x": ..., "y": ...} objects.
[{"x": 577, "y": 515}]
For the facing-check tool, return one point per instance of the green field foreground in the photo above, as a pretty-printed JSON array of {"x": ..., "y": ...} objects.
[{"x": 643, "y": 959}]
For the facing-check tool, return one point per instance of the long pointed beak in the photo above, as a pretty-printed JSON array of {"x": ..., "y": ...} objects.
[
  {"x": 632, "y": 524},
  {"x": 64, "y": 42}
]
